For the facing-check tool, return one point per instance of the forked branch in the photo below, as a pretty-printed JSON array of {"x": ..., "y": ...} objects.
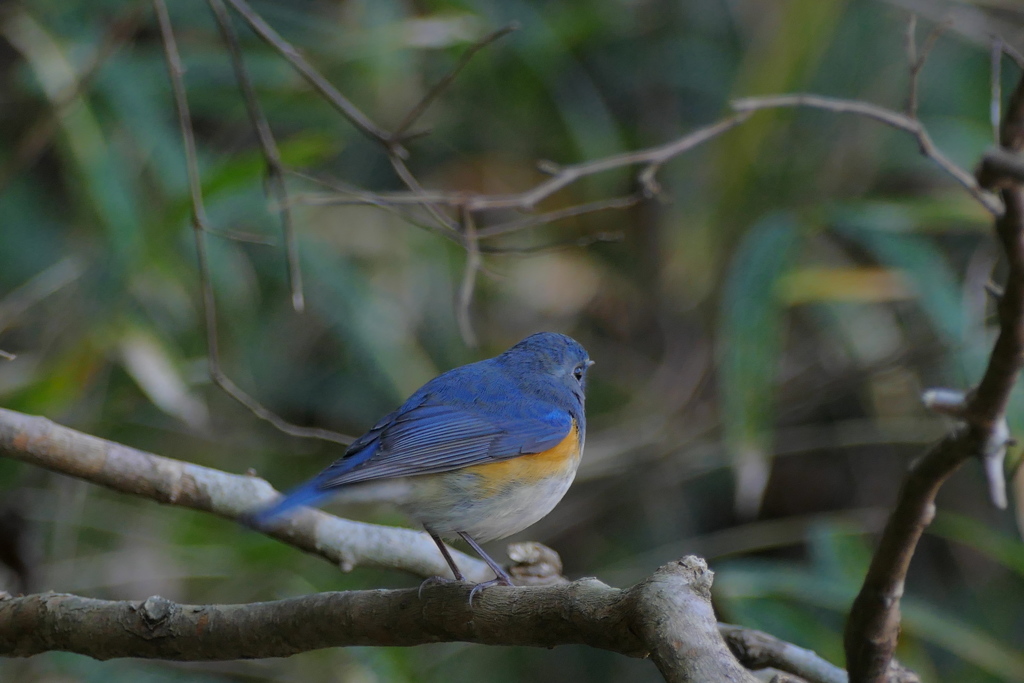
[{"x": 872, "y": 628}]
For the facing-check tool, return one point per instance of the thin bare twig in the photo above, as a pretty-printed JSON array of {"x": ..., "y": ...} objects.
[
  {"x": 268, "y": 146},
  {"x": 579, "y": 242},
  {"x": 397, "y": 158},
  {"x": 389, "y": 141},
  {"x": 560, "y": 214},
  {"x": 890, "y": 118},
  {"x": 200, "y": 225},
  {"x": 394, "y": 203},
  {"x": 1014, "y": 54},
  {"x": 417, "y": 190},
  {"x": 473, "y": 262},
  {"x": 417, "y": 111},
  {"x": 341, "y": 103},
  {"x": 917, "y": 60},
  {"x": 37, "y": 138},
  {"x": 651, "y": 159},
  {"x": 996, "y": 86},
  {"x": 352, "y": 196},
  {"x": 561, "y": 177},
  {"x": 355, "y": 196},
  {"x": 910, "y": 40},
  {"x": 945, "y": 402},
  {"x": 242, "y": 236},
  {"x": 38, "y": 287}
]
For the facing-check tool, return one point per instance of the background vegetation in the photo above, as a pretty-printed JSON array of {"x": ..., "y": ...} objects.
[{"x": 762, "y": 333}]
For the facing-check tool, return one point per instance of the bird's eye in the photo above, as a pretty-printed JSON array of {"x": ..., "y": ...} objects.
[{"x": 577, "y": 372}]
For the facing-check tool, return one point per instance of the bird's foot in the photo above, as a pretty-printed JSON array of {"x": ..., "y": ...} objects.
[
  {"x": 499, "y": 581},
  {"x": 436, "y": 581}
]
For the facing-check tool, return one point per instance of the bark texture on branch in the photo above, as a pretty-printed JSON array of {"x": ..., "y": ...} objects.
[{"x": 668, "y": 615}]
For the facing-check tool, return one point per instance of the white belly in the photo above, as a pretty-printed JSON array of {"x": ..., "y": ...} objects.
[{"x": 450, "y": 502}]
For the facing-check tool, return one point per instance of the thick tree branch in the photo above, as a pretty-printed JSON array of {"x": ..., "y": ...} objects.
[
  {"x": 586, "y": 611},
  {"x": 668, "y": 615},
  {"x": 348, "y": 544},
  {"x": 671, "y": 611},
  {"x": 872, "y": 629}
]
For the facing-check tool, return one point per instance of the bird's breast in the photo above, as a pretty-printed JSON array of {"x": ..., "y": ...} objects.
[
  {"x": 531, "y": 468},
  {"x": 496, "y": 499}
]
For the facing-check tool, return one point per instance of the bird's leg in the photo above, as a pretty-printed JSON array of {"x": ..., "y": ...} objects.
[
  {"x": 501, "y": 577},
  {"x": 447, "y": 556},
  {"x": 459, "y": 576}
]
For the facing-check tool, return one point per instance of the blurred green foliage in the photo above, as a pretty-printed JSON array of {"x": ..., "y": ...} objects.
[{"x": 806, "y": 277}]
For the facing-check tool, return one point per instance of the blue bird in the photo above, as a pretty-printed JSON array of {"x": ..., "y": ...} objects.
[{"x": 479, "y": 452}]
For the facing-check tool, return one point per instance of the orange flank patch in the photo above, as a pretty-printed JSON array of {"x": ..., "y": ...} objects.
[{"x": 530, "y": 468}]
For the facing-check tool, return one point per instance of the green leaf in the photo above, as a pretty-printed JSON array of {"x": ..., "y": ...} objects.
[
  {"x": 749, "y": 344},
  {"x": 1005, "y": 549},
  {"x": 884, "y": 234}
]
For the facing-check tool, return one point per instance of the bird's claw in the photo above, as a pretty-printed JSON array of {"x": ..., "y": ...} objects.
[
  {"x": 444, "y": 581},
  {"x": 435, "y": 580},
  {"x": 500, "y": 581}
]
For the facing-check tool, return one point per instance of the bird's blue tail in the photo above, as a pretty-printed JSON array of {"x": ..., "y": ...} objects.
[
  {"x": 317, "y": 489},
  {"x": 307, "y": 494}
]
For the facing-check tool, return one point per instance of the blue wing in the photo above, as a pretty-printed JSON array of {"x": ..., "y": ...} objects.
[
  {"x": 426, "y": 438},
  {"x": 441, "y": 438}
]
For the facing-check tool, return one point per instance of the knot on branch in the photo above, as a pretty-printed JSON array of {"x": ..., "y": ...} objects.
[
  {"x": 691, "y": 572},
  {"x": 535, "y": 565},
  {"x": 156, "y": 613}
]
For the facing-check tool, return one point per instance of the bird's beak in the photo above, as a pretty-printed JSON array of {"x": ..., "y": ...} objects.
[{"x": 589, "y": 363}]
